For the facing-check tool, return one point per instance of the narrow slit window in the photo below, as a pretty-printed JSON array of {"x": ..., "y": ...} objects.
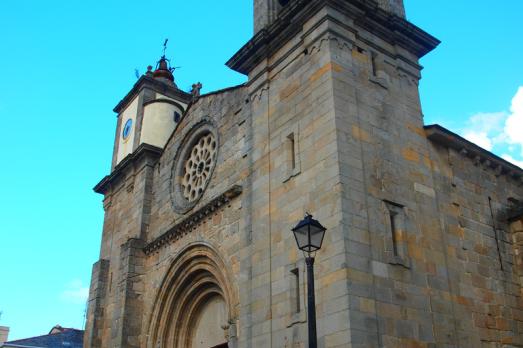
[
  {"x": 393, "y": 231},
  {"x": 373, "y": 56},
  {"x": 296, "y": 290},
  {"x": 292, "y": 150}
]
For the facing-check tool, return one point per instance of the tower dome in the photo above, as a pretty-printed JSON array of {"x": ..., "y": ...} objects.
[{"x": 164, "y": 71}]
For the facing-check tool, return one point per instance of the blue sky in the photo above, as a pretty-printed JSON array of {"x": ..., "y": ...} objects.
[{"x": 66, "y": 64}]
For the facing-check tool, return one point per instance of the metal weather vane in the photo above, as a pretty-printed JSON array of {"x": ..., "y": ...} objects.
[
  {"x": 171, "y": 69},
  {"x": 165, "y": 46}
]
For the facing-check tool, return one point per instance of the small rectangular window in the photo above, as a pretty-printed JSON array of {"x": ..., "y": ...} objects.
[
  {"x": 395, "y": 241},
  {"x": 295, "y": 291}
]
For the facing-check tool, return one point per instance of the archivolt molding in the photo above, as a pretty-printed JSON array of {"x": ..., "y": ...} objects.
[{"x": 197, "y": 274}]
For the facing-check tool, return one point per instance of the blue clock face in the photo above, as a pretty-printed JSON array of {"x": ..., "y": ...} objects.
[{"x": 127, "y": 129}]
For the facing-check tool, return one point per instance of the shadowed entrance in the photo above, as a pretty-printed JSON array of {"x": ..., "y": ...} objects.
[{"x": 194, "y": 307}]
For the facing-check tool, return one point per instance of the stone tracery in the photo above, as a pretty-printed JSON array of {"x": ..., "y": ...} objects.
[
  {"x": 198, "y": 166},
  {"x": 194, "y": 164}
]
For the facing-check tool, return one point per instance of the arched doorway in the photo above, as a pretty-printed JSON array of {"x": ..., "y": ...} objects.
[
  {"x": 207, "y": 329},
  {"x": 196, "y": 304}
]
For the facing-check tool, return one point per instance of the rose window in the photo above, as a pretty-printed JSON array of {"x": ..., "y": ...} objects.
[{"x": 198, "y": 167}]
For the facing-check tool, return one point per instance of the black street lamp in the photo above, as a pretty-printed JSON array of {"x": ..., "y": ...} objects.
[{"x": 309, "y": 237}]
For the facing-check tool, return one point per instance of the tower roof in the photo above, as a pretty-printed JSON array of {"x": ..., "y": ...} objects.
[{"x": 164, "y": 71}]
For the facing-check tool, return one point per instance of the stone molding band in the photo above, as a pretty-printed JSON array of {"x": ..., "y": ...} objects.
[
  {"x": 165, "y": 101},
  {"x": 178, "y": 230},
  {"x": 143, "y": 151}
]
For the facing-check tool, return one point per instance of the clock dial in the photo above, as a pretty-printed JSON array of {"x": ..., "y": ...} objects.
[{"x": 127, "y": 129}]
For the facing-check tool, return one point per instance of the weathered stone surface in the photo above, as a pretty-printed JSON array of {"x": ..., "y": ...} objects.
[{"x": 419, "y": 252}]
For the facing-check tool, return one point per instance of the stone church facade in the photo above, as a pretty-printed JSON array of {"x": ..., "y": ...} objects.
[{"x": 424, "y": 229}]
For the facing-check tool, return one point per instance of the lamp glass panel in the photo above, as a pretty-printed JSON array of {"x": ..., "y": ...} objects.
[
  {"x": 317, "y": 237},
  {"x": 301, "y": 237}
]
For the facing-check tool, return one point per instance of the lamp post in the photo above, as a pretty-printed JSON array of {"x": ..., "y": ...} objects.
[{"x": 309, "y": 237}]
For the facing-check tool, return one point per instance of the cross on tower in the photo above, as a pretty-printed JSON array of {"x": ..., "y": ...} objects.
[{"x": 165, "y": 46}]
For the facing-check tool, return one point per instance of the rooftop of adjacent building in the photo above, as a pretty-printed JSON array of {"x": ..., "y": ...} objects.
[
  {"x": 4, "y": 334},
  {"x": 57, "y": 337}
]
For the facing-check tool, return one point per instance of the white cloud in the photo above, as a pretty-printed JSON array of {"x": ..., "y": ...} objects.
[
  {"x": 75, "y": 292},
  {"x": 487, "y": 121},
  {"x": 514, "y": 122},
  {"x": 479, "y": 138},
  {"x": 499, "y": 130},
  {"x": 485, "y": 129},
  {"x": 512, "y": 160}
]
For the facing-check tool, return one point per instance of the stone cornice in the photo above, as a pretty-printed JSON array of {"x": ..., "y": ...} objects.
[
  {"x": 158, "y": 86},
  {"x": 183, "y": 227},
  {"x": 163, "y": 100},
  {"x": 446, "y": 138},
  {"x": 365, "y": 13},
  {"x": 129, "y": 160}
]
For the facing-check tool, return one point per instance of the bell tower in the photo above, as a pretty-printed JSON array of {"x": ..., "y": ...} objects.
[
  {"x": 333, "y": 91},
  {"x": 146, "y": 118},
  {"x": 149, "y": 113}
]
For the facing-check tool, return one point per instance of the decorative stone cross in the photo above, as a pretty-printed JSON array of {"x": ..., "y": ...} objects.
[{"x": 195, "y": 91}]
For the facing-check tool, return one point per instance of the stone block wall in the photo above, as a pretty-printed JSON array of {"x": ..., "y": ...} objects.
[
  {"x": 96, "y": 307},
  {"x": 224, "y": 229},
  {"x": 418, "y": 252},
  {"x": 433, "y": 276},
  {"x": 482, "y": 263},
  {"x": 127, "y": 207},
  {"x": 516, "y": 229},
  {"x": 393, "y": 6}
]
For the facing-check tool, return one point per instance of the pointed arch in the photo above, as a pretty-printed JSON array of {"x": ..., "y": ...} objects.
[{"x": 197, "y": 275}]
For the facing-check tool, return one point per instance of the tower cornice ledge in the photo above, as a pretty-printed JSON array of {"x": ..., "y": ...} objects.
[
  {"x": 365, "y": 13},
  {"x": 446, "y": 138},
  {"x": 158, "y": 86},
  {"x": 179, "y": 229},
  {"x": 144, "y": 150}
]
